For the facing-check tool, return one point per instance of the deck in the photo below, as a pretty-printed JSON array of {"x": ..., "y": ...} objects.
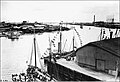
[{"x": 98, "y": 75}]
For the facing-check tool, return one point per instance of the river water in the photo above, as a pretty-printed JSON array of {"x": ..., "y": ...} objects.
[{"x": 15, "y": 54}]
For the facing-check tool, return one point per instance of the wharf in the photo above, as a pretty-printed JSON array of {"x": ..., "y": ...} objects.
[{"x": 97, "y": 75}]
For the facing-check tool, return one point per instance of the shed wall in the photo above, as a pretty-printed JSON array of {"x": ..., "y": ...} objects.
[{"x": 92, "y": 56}]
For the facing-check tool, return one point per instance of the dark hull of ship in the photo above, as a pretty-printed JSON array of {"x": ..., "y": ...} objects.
[{"x": 62, "y": 73}]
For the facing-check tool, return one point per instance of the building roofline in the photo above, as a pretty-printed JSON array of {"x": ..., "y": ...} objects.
[{"x": 92, "y": 44}]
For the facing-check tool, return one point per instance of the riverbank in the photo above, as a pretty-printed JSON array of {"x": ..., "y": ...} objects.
[{"x": 29, "y": 27}]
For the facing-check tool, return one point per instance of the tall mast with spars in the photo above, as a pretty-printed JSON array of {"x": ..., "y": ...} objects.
[
  {"x": 60, "y": 37},
  {"x": 73, "y": 43},
  {"x": 35, "y": 48}
]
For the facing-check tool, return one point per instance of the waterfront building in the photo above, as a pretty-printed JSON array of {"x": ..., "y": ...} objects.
[{"x": 101, "y": 55}]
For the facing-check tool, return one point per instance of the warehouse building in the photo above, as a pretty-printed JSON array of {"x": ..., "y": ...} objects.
[{"x": 103, "y": 56}]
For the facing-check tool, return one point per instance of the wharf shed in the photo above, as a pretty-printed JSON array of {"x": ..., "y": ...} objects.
[{"x": 101, "y": 55}]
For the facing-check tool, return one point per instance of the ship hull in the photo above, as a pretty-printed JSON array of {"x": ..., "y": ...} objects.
[{"x": 62, "y": 73}]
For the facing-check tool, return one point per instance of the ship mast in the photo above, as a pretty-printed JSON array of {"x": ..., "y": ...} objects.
[
  {"x": 35, "y": 48},
  {"x": 73, "y": 42},
  {"x": 50, "y": 50},
  {"x": 60, "y": 37}
]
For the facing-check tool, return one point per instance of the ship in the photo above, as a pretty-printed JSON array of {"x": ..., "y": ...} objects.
[
  {"x": 33, "y": 73},
  {"x": 13, "y": 35},
  {"x": 95, "y": 61}
]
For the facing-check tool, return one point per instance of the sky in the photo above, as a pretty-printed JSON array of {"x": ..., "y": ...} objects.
[{"x": 56, "y": 11}]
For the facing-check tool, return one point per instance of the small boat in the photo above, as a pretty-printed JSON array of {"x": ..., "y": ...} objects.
[{"x": 13, "y": 35}]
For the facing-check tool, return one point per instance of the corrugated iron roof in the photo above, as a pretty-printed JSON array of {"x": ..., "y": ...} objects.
[{"x": 110, "y": 45}]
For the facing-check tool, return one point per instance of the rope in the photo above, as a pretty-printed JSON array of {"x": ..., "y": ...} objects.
[
  {"x": 39, "y": 57},
  {"x": 64, "y": 45},
  {"x": 70, "y": 46},
  {"x": 31, "y": 56},
  {"x": 78, "y": 36},
  {"x": 99, "y": 37},
  {"x": 54, "y": 38},
  {"x": 75, "y": 44}
]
